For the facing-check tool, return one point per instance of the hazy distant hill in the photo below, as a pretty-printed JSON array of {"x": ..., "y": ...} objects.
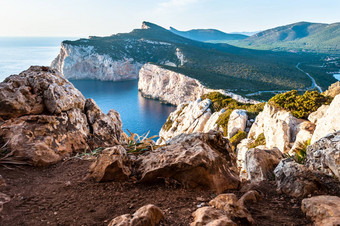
[
  {"x": 302, "y": 36},
  {"x": 220, "y": 66},
  {"x": 204, "y": 35}
]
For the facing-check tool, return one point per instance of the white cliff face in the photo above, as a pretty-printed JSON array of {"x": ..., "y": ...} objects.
[
  {"x": 175, "y": 88},
  {"x": 237, "y": 122},
  {"x": 279, "y": 127},
  {"x": 79, "y": 62},
  {"x": 329, "y": 122}
]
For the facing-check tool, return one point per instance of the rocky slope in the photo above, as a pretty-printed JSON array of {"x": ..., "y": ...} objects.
[{"x": 175, "y": 88}]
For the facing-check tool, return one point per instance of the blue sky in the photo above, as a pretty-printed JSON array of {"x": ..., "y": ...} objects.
[{"x": 81, "y": 18}]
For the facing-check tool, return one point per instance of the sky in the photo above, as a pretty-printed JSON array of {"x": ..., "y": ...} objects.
[{"x": 83, "y": 18}]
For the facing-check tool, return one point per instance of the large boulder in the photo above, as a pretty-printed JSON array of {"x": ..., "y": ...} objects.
[
  {"x": 112, "y": 165},
  {"x": 36, "y": 90},
  {"x": 241, "y": 151},
  {"x": 323, "y": 210},
  {"x": 237, "y": 122},
  {"x": 324, "y": 155},
  {"x": 318, "y": 114},
  {"x": 199, "y": 159},
  {"x": 295, "y": 179},
  {"x": 278, "y": 127},
  {"x": 330, "y": 122},
  {"x": 43, "y": 118},
  {"x": 149, "y": 215},
  {"x": 260, "y": 163}
]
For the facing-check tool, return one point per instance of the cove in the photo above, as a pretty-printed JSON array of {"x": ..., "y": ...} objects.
[{"x": 139, "y": 115}]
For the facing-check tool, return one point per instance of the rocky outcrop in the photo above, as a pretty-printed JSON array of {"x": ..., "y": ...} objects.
[
  {"x": 279, "y": 127},
  {"x": 111, "y": 165},
  {"x": 259, "y": 163},
  {"x": 315, "y": 116},
  {"x": 199, "y": 159},
  {"x": 294, "y": 179},
  {"x": 237, "y": 122},
  {"x": 329, "y": 123},
  {"x": 323, "y": 210},
  {"x": 333, "y": 90},
  {"x": 149, "y": 215},
  {"x": 82, "y": 61},
  {"x": 324, "y": 155},
  {"x": 193, "y": 160},
  {"x": 174, "y": 88},
  {"x": 226, "y": 209},
  {"x": 45, "y": 119}
]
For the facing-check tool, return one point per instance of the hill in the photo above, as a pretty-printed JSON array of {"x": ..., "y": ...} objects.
[
  {"x": 217, "y": 66},
  {"x": 204, "y": 35},
  {"x": 302, "y": 36}
]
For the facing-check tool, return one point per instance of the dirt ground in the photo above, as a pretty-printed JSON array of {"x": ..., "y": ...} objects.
[{"x": 58, "y": 195}]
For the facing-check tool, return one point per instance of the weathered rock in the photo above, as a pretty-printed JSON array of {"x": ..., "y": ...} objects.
[
  {"x": 260, "y": 163},
  {"x": 43, "y": 120},
  {"x": 174, "y": 88},
  {"x": 249, "y": 197},
  {"x": 294, "y": 179},
  {"x": 324, "y": 155},
  {"x": 36, "y": 90},
  {"x": 199, "y": 159},
  {"x": 304, "y": 132},
  {"x": 46, "y": 139},
  {"x": 318, "y": 114},
  {"x": 323, "y": 210},
  {"x": 278, "y": 127},
  {"x": 210, "y": 216},
  {"x": 333, "y": 89},
  {"x": 234, "y": 210},
  {"x": 3, "y": 200},
  {"x": 111, "y": 165},
  {"x": 149, "y": 215},
  {"x": 106, "y": 129},
  {"x": 241, "y": 151},
  {"x": 330, "y": 122},
  {"x": 237, "y": 122}
]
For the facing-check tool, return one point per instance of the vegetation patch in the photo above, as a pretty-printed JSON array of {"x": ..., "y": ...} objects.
[
  {"x": 168, "y": 124},
  {"x": 301, "y": 151},
  {"x": 220, "y": 101},
  {"x": 139, "y": 144},
  {"x": 260, "y": 140},
  {"x": 236, "y": 139},
  {"x": 300, "y": 105}
]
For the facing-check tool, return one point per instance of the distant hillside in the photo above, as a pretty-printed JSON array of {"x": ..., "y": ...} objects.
[
  {"x": 204, "y": 35},
  {"x": 302, "y": 36},
  {"x": 218, "y": 66}
]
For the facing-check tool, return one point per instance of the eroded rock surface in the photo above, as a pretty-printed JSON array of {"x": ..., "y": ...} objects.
[
  {"x": 199, "y": 159},
  {"x": 324, "y": 155},
  {"x": 211, "y": 216},
  {"x": 260, "y": 163},
  {"x": 44, "y": 119},
  {"x": 237, "y": 122},
  {"x": 323, "y": 210},
  {"x": 330, "y": 122},
  {"x": 149, "y": 215}
]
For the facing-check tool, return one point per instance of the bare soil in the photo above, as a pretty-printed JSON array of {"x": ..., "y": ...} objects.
[{"x": 58, "y": 195}]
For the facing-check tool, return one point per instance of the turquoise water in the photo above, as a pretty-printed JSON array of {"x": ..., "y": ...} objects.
[{"x": 139, "y": 115}]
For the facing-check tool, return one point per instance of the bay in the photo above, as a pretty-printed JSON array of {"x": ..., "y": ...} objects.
[{"x": 139, "y": 115}]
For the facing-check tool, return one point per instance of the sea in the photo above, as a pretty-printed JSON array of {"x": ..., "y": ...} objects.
[{"x": 139, "y": 115}]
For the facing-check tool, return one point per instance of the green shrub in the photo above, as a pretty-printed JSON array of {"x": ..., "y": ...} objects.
[
  {"x": 220, "y": 101},
  {"x": 260, "y": 140},
  {"x": 300, "y": 105},
  {"x": 236, "y": 139},
  {"x": 301, "y": 151},
  {"x": 168, "y": 124}
]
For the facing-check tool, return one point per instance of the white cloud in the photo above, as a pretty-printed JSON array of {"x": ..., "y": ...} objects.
[{"x": 174, "y": 4}]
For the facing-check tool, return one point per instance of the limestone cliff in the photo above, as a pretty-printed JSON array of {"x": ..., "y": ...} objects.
[
  {"x": 175, "y": 88},
  {"x": 79, "y": 62}
]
